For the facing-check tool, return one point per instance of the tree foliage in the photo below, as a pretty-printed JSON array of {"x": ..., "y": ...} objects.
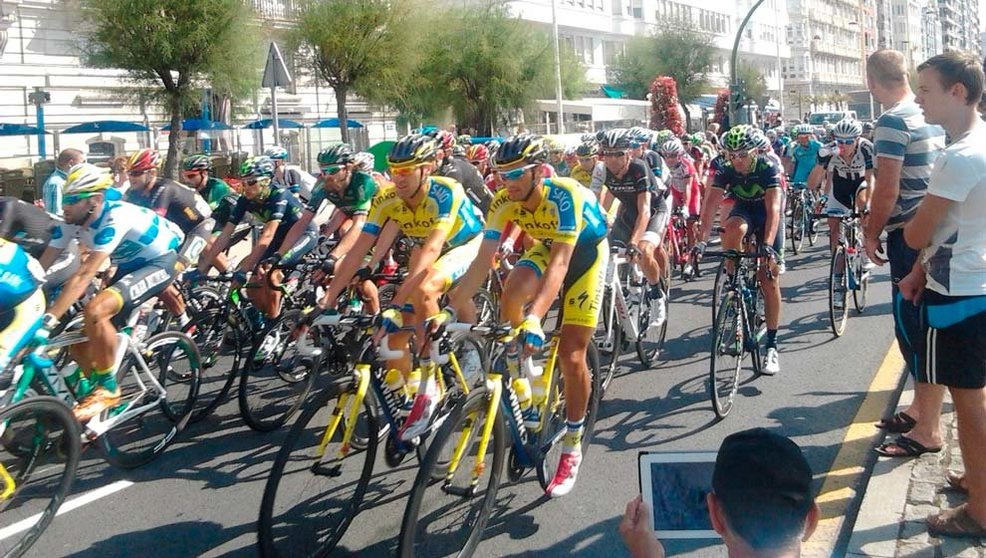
[
  {"x": 664, "y": 106},
  {"x": 172, "y": 48},
  {"x": 365, "y": 47},
  {"x": 753, "y": 80}
]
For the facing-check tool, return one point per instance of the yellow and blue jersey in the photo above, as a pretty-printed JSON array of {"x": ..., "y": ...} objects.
[{"x": 568, "y": 213}]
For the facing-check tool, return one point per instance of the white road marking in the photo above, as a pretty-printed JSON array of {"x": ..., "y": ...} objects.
[{"x": 77, "y": 502}]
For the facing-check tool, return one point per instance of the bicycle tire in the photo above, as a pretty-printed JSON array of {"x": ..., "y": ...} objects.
[
  {"x": 294, "y": 473},
  {"x": 224, "y": 345},
  {"x": 176, "y": 405},
  {"x": 649, "y": 348},
  {"x": 553, "y": 426},
  {"x": 756, "y": 327},
  {"x": 727, "y": 341},
  {"x": 609, "y": 359},
  {"x": 430, "y": 484},
  {"x": 718, "y": 287},
  {"x": 812, "y": 223},
  {"x": 42, "y": 473},
  {"x": 838, "y": 317},
  {"x": 273, "y": 387},
  {"x": 798, "y": 225},
  {"x": 487, "y": 311},
  {"x": 863, "y": 283}
]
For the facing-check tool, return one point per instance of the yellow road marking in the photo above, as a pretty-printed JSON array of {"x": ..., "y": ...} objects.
[{"x": 843, "y": 479}]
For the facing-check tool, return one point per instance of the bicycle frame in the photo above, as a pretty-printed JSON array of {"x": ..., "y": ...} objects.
[{"x": 617, "y": 302}]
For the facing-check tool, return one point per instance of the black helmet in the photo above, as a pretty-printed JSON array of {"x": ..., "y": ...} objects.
[
  {"x": 617, "y": 138},
  {"x": 524, "y": 147},
  {"x": 412, "y": 149}
]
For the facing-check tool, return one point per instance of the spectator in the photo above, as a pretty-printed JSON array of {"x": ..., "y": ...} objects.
[
  {"x": 905, "y": 147},
  {"x": 119, "y": 168},
  {"x": 761, "y": 503},
  {"x": 51, "y": 191},
  {"x": 950, "y": 277}
]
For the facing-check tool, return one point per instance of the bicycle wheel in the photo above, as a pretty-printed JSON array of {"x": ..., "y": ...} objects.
[
  {"x": 756, "y": 328},
  {"x": 312, "y": 496},
  {"x": 798, "y": 225},
  {"x": 37, "y": 466},
  {"x": 718, "y": 287},
  {"x": 650, "y": 342},
  {"x": 838, "y": 292},
  {"x": 609, "y": 341},
  {"x": 813, "y": 225},
  {"x": 486, "y": 308},
  {"x": 553, "y": 426},
  {"x": 862, "y": 282},
  {"x": 159, "y": 414},
  {"x": 224, "y": 345},
  {"x": 276, "y": 378},
  {"x": 727, "y": 354},
  {"x": 447, "y": 511}
]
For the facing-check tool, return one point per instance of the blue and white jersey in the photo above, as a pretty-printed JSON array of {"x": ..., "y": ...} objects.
[
  {"x": 132, "y": 235},
  {"x": 20, "y": 275}
]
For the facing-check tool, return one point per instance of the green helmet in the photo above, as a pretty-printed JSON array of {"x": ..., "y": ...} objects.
[
  {"x": 197, "y": 162},
  {"x": 336, "y": 154},
  {"x": 739, "y": 138},
  {"x": 257, "y": 167}
]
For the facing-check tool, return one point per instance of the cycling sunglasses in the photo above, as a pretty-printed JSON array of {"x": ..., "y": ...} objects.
[
  {"x": 846, "y": 141},
  {"x": 72, "y": 199},
  {"x": 254, "y": 181},
  {"x": 135, "y": 173},
  {"x": 332, "y": 169},
  {"x": 405, "y": 171},
  {"x": 515, "y": 174},
  {"x": 614, "y": 153},
  {"x": 733, "y": 155}
]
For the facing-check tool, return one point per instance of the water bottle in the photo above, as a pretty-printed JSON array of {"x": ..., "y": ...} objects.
[
  {"x": 395, "y": 393},
  {"x": 472, "y": 367},
  {"x": 539, "y": 388},
  {"x": 522, "y": 387}
]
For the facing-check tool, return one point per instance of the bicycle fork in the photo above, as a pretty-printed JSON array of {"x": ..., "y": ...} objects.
[
  {"x": 355, "y": 400},
  {"x": 495, "y": 385}
]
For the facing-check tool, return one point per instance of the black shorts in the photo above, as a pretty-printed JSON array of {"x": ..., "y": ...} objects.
[
  {"x": 755, "y": 215},
  {"x": 953, "y": 347},
  {"x": 136, "y": 286},
  {"x": 305, "y": 243}
]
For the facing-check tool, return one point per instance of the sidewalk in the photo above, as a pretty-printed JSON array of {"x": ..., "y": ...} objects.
[{"x": 900, "y": 494}]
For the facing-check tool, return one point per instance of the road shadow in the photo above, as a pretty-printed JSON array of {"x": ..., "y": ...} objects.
[{"x": 187, "y": 538}]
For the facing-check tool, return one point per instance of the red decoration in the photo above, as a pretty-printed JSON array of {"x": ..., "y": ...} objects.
[
  {"x": 665, "y": 114},
  {"x": 722, "y": 104}
]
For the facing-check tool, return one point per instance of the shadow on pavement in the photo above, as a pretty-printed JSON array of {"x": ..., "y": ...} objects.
[{"x": 188, "y": 538}]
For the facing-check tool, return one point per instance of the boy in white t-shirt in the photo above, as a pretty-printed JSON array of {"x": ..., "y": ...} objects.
[{"x": 949, "y": 279}]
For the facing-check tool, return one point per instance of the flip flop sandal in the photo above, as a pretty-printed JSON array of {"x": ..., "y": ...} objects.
[
  {"x": 900, "y": 423},
  {"x": 955, "y": 522},
  {"x": 956, "y": 482},
  {"x": 909, "y": 447}
]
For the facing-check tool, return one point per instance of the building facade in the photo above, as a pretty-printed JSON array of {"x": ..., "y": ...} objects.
[{"x": 960, "y": 25}]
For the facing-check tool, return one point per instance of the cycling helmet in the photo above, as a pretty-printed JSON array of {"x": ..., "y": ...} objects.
[
  {"x": 662, "y": 136},
  {"x": 413, "y": 149},
  {"x": 760, "y": 140},
  {"x": 464, "y": 139},
  {"x": 553, "y": 145},
  {"x": 527, "y": 148},
  {"x": 740, "y": 137},
  {"x": 771, "y": 134},
  {"x": 444, "y": 139},
  {"x": 615, "y": 139},
  {"x": 144, "y": 160},
  {"x": 867, "y": 127},
  {"x": 256, "y": 167},
  {"x": 196, "y": 162},
  {"x": 698, "y": 137},
  {"x": 477, "y": 153},
  {"x": 639, "y": 134},
  {"x": 802, "y": 129},
  {"x": 848, "y": 128},
  {"x": 364, "y": 161},
  {"x": 336, "y": 154},
  {"x": 276, "y": 152},
  {"x": 87, "y": 179},
  {"x": 587, "y": 149},
  {"x": 671, "y": 147}
]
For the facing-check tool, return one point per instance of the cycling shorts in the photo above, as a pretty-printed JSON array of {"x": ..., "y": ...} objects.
[
  {"x": 18, "y": 325},
  {"x": 195, "y": 242},
  {"x": 454, "y": 263},
  {"x": 656, "y": 227},
  {"x": 134, "y": 287},
  {"x": 843, "y": 198},
  {"x": 305, "y": 243},
  {"x": 694, "y": 203},
  {"x": 582, "y": 289},
  {"x": 755, "y": 215}
]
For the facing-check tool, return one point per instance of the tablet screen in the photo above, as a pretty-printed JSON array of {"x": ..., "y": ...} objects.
[{"x": 675, "y": 486}]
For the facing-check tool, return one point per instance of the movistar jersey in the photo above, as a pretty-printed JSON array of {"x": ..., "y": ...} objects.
[
  {"x": 354, "y": 200},
  {"x": 445, "y": 207},
  {"x": 279, "y": 205},
  {"x": 568, "y": 214},
  {"x": 748, "y": 187}
]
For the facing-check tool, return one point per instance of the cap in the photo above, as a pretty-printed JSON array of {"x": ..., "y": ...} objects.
[{"x": 758, "y": 465}]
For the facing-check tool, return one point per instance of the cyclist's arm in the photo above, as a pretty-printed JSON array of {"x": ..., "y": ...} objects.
[
  {"x": 335, "y": 221},
  {"x": 868, "y": 179},
  {"x": 816, "y": 177},
  {"x": 349, "y": 239},
  {"x": 709, "y": 208},
  {"x": 75, "y": 287},
  {"x": 476, "y": 275},
  {"x": 297, "y": 229},
  {"x": 551, "y": 282},
  {"x": 772, "y": 199},
  {"x": 643, "y": 216},
  {"x": 205, "y": 261},
  {"x": 388, "y": 235},
  {"x": 920, "y": 229},
  {"x": 788, "y": 163},
  {"x": 885, "y": 191},
  {"x": 49, "y": 256},
  {"x": 346, "y": 268}
]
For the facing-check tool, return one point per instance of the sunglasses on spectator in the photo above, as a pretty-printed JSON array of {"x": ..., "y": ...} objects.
[
  {"x": 515, "y": 174},
  {"x": 732, "y": 155},
  {"x": 332, "y": 169},
  {"x": 614, "y": 153},
  {"x": 845, "y": 141}
]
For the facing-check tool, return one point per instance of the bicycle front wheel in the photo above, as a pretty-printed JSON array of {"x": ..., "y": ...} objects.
[
  {"x": 610, "y": 336},
  {"x": 38, "y": 462},
  {"x": 449, "y": 504},
  {"x": 650, "y": 342},
  {"x": 224, "y": 345},
  {"x": 862, "y": 282},
  {"x": 727, "y": 354},
  {"x": 315, "y": 488},
  {"x": 838, "y": 291},
  {"x": 277, "y": 377},
  {"x": 157, "y": 414},
  {"x": 798, "y": 225}
]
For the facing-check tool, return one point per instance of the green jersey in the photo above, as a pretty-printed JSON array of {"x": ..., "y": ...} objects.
[
  {"x": 221, "y": 198},
  {"x": 354, "y": 200}
]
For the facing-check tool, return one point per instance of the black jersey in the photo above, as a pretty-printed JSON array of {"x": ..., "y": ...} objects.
[
  {"x": 26, "y": 225},
  {"x": 179, "y": 204}
]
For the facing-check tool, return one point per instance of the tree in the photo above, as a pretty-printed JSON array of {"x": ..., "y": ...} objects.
[
  {"x": 664, "y": 106},
  {"x": 754, "y": 84},
  {"x": 678, "y": 51},
  {"x": 483, "y": 63},
  {"x": 365, "y": 47},
  {"x": 170, "y": 48}
]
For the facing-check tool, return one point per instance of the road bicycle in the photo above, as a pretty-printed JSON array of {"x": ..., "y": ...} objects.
[
  {"x": 680, "y": 255},
  {"x": 801, "y": 202},
  {"x": 738, "y": 328},
  {"x": 39, "y": 456},
  {"x": 455, "y": 489},
  {"x": 847, "y": 269},
  {"x": 321, "y": 473}
]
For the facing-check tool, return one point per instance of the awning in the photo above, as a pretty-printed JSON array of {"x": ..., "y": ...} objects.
[
  {"x": 601, "y": 109},
  {"x": 334, "y": 123},
  {"x": 268, "y": 122},
  {"x": 105, "y": 126},
  {"x": 18, "y": 130},
  {"x": 197, "y": 124},
  {"x": 613, "y": 92}
]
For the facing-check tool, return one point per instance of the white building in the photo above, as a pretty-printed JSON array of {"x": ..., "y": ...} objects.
[{"x": 960, "y": 25}]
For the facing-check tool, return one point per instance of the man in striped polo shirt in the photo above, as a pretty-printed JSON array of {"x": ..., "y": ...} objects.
[{"x": 906, "y": 148}]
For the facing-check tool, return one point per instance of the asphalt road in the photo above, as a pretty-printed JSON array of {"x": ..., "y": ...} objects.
[{"x": 201, "y": 498}]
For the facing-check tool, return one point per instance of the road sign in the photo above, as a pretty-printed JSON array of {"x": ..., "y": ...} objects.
[{"x": 275, "y": 72}]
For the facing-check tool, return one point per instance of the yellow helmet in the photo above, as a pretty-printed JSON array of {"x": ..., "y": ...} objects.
[{"x": 87, "y": 179}]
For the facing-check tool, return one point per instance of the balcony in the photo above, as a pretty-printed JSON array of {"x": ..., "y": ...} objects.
[{"x": 279, "y": 10}]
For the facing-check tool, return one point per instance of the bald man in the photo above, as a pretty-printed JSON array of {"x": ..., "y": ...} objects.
[{"x": 51, "y": 192}]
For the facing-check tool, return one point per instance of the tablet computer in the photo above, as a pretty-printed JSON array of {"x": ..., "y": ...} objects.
[{"x": 675, "y": 484}]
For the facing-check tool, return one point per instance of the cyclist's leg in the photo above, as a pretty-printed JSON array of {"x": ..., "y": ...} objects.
[
  {"x": 770, "y": 286},
  {"x": 523, "y": 282},
  {"x": 737, "y": 224},
  {"x": 272, "y": 297},
  {"x": 839, "y": 202},
  {"x": 447, "y": 269},
  {"x": 17, "y": 326}
]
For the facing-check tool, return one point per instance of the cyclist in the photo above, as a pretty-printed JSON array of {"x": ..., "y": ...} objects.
[
  {"x": 143, "y": 248},
  {"x": 556, "y": 156},
  {"x": 22, "y": 302},
  {"x": 31, "y": 227},
  {"x": 278, "y": 210},
  {"x": 588, "y": 160},
  {"x": 478, "y": 156},
  {"x": 436, "y": 214},
  {"x": 196, "y": 172},
  {"x": 848, "y": 162},
  {"x": 569, "y": 257},
  {"x": 686, "y": 193},
  {"x": 802, "y": 154},
  {"x": 462, "y": 171},
  {"x": 290, "y": 177},
  {"x": 643, "y": 214},
  {"x": 761, "y": 144},
  {"x": 753, "y": 181},
  {"x": 180, "y": 205}
]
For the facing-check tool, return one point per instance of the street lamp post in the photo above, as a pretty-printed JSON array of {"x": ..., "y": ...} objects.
[
  {"x": 734, "y": 86},
  {"x": 558, "y": 99}
]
